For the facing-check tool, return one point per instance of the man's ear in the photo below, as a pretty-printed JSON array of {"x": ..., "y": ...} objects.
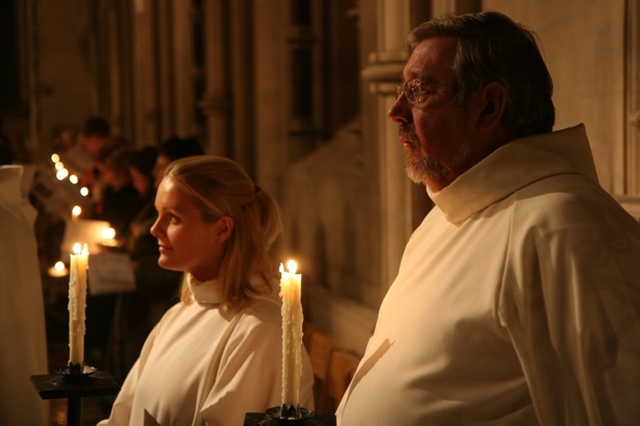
[
  {"x": 224, "y": 228},
  {"x": 493, "y": 98}
]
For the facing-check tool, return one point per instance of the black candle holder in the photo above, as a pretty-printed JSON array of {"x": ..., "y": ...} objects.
[
  {"x": 289, "y": 414},
  {"x": 73, "y": 386},
  {"x": 76, "y": 373},
  {"x": 274, "y": 417}
]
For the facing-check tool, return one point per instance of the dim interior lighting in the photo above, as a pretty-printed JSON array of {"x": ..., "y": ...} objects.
[
  {"x": 62, "y": 174},
  {"x": 84, "y": 191},
  {"x": 55, "y": 158},
  {"x": 76, "y": 211},
  {"x": 73, "y": 179},
  {"x": 59, "y": 165}
]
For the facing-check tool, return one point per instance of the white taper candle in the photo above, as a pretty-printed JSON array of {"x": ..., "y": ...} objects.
[
  {"x": 77, "y": 305},
  {"x": 291, "y": 335}
]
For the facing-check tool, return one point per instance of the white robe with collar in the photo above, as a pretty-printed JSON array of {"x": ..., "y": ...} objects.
[
  {"x": 517, "y": 302},
  {"x": 203, "y": 366}
]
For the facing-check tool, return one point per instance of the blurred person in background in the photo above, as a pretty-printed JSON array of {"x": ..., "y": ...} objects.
[
  {"x": 118, "y": 204},
  {"x": 81, "y": 156},
  {"x": 118, "y": 201},
  {"x": 156, "y": 288},
  {"x": 173, "y": 149}
]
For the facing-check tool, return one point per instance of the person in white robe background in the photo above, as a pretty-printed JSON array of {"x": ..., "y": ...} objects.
[
  {"x": 23, "y": 350},
  {"x": 216, "y": 355},
  {"x": 517, "y": 301}
]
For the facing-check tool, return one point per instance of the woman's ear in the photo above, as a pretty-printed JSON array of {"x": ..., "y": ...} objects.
[
  {"x": 224, "y": 228},
  {"x": 494, "y": 100}
]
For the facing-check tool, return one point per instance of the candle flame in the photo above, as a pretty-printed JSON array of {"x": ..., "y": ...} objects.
[
  {"x": 84, "y": 191},
  {"x": 108, "y": 233},
  {"x": 292, "y": 266},
  {"x": 55, "y": 158},
  {"x": 62, "y": 173},
  {"x": 80, "y": 249},
  {"x": 76, "y": 210},
  {"x": 59, "y": 266}
]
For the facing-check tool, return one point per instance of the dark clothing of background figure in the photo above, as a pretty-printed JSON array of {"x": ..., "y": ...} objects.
[
  {"x": 137, "y": 312},
  {"x": 119, "y": 209}
]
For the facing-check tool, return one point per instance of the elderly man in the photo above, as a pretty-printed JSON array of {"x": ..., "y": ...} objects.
[{"x": 517, "y": 301}]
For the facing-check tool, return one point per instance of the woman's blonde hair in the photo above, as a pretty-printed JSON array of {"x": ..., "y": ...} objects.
[{"x": 220, "y": 187}]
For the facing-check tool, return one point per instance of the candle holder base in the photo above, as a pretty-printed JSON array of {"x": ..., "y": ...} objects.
[
  {"x": 72, "y": 373},
  {"x": 53, "y": 386},
  {"x": 284, "y": 415}
]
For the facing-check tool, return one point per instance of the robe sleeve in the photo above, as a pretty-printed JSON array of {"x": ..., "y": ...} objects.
[{"x": 571, "y": 304}]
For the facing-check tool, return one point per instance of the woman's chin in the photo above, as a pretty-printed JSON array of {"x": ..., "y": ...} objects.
[{"x": 165, "y": 263}]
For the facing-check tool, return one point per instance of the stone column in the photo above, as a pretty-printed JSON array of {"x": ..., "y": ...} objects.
[
  {"x": 243, "y": 85},
  {"x": 145, "y": 77},
  {"x": 216, "y": 104},
  {"x": 381, "y": 74},
  {"x": 184, "y": 96}
]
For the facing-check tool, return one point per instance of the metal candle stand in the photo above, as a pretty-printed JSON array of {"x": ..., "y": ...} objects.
[
  {"x": 74, "y": 385},
  {"x": 278, "y": 416}
]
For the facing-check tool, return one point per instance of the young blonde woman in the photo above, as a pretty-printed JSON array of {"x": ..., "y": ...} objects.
[{"x": 215, "y": 355}]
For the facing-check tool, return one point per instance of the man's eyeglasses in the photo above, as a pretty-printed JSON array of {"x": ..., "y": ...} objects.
[{"x": 416, "y": 92}]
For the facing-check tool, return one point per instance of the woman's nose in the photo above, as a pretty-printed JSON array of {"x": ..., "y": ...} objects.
[{"x": 155, "y": 228}]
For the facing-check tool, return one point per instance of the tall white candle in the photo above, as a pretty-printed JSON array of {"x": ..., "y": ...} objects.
[
  {"x": 77, "y": 304},
  {"x": 291, "y": 335}
]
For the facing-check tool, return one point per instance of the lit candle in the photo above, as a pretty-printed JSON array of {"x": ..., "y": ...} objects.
[
  {"x": 77, "y": 304},
  {"x": 58, "y": 270},
  {"x": 291, "y": 339},
  {"x": 108, "y": 236},
  {"x": 76, "y": 211},
  {"x": 62, "y": 173}
]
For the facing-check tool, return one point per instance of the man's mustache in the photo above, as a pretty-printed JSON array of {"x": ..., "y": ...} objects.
[{"x": 404, "y": 131}]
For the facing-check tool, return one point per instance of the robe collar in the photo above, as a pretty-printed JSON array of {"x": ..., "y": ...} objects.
[
  {"x": 205, "y": 293},
  {"x": 514, "y": 166},
  {"x": 209, "y": 293}
]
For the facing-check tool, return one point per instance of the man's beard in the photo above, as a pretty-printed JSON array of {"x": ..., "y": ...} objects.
[{"x": 421, "y": 168}]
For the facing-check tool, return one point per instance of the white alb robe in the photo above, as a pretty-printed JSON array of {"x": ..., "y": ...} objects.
[
  {"x": 203, "y": 366},
  {"x": 517, "y": 302}
]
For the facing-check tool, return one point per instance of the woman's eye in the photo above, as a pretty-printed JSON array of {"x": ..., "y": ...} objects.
[{"x": 173, "y": 218}]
